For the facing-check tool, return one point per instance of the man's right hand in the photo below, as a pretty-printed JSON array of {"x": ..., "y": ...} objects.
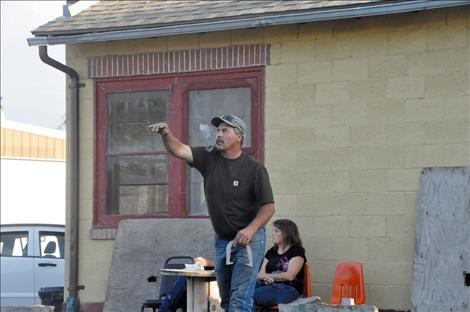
[{"x": 160, "y": 127}]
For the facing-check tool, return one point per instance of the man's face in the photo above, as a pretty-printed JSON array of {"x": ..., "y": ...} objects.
[{"x": 226, "y": 137}]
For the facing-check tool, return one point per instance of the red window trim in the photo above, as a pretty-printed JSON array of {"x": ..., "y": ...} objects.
[{"x": 179, "y": 85}]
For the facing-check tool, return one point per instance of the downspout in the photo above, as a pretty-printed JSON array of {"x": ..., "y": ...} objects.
[{"x": 72, "y": 300}]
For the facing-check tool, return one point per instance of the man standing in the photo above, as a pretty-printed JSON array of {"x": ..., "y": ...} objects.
[{"x": 239, "y": 200}]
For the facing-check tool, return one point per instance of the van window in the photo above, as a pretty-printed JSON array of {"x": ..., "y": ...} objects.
[
  {"x": 51, "y": 244},
  {"x": 14, "y": 244}
]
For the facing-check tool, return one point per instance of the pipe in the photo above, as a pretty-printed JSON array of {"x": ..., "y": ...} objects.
[{"x": 72, "y": 300}]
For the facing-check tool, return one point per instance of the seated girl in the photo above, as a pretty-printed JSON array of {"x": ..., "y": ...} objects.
[{"x": 280, "y": 279}]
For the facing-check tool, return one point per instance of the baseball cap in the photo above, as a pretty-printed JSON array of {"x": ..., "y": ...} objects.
[{"x": 230, "y": 120}]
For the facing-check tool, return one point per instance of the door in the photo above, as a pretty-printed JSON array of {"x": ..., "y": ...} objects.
[
  {"x": 16, "y": 266},
  {"x": 49, "y": 259}
]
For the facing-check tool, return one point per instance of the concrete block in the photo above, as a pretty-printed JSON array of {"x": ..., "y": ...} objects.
[
  {"x": 390, "y": 297},
  {"x": 286, "y": 205},
  {"x": 350, "y": 69},
  {"x": 149, "y": 45},
  {"x": 405, "y": 88},
  {"x": 135, "y": 256},
  {"x": 368, "y": 89},
  {"x": 419, "y": 156},
  {"x": 95, "y": 291},
  {"x": 389, "y": 203},
  {"x": 322, "y": 181},
  {"x": 405, "y": 41},
  {"x": 437, "y": 62},
  {"x": 119, "y": 47},
  {"x": 272, "y": 141},
  {"x": 372, "y": 44},
  {"x": 330, "y": 93},
  {"x": 281, "y": 74},
  {"x": 457, "y": 108},
  {"x": 328, "y": 226},
  {"x": 367, "y": 226},
  {"x": 275, "y": 54},
  {"x": 310, "y": 72},
  {"x": 446, "y": 85},
  {"x": 282, "y": 161},
  {"x": 344, "y": 248},
  {"x": 182, "y": 42},
  {"x": 405, "y": 133},
  {"x": 390, "y": 249},
  {"x": 331, "y": 48},
  {"x": 273, "y": 98},
  {"x": 324, "y": 160},
  {"x": 456, "y": 154},
  {"x": 321, "y": 272},
  {"x": 388, "y": 273},
  {"x": 447, "y": 36},
  {"x": 297, "y": 95},
  {"x": 215, "y": 39},
  {"x": 280, "y": 118},
  {"x": 332, "y": 137},
  {"x": 403, "y": 179},
  {"x": 378, "y": 158},
  {"x": 387, "y": 66},
  {"x": 447, "y": 132},
  {"x": 367, "y": 136},
  {"x": 86, "y": 162},
  {"x": 298, "y": 140},
  {"x": 354, "y": 113},
  {"x": 338, "y": 204},
  {"x": 400, "y": 225},
  {"x": 317, "y": 116},
  {"x": 368, "y": 180},
  {"x": 380, "y": 112},
  {"x": 425, "y": 109},
  {"x": 279, "y": 34},
  {"x": 296, "y": 51},
  {"x": 247, "y": 36}
]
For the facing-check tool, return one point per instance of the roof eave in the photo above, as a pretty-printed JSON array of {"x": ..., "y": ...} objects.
[{"x": 251, "y": 22}]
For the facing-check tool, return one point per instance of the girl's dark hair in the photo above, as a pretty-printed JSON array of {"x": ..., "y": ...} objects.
[{"x": 289, "y": 230}]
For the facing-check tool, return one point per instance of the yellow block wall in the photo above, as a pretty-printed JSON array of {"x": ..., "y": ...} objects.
[{"x": 354, "y": 110}]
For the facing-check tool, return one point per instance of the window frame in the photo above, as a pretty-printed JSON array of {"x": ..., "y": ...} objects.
[{"x": 179, "y": 86}]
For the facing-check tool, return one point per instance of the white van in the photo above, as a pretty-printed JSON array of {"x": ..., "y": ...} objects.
[{"x": 31, "y": 257}]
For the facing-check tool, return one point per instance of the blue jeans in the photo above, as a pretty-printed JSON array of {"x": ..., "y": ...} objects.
[
  {"x": 176, "y": 298},
  {"x": 237, "y": 281},
  {"x": 268, "y": 295}
]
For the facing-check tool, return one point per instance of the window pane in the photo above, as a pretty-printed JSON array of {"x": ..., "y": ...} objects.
[
  {"x": 203, "y": 105},
  {"x": 129, "y": 115},
  {"x": 137, "y": 185},
  {"x": 52, "y": 244},
  {"x": 14, "y": 244}
]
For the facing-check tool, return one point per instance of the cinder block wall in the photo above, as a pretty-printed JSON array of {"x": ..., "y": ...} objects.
[{"x": 353, "y": 110}]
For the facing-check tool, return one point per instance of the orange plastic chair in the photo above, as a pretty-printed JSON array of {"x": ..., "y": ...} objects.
[
  {"x": 349, "y": 283},
  {"x": 307, "y": 290}
]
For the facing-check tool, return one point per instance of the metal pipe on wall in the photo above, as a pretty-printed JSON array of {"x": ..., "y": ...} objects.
[{"x": 72, "y": 300}]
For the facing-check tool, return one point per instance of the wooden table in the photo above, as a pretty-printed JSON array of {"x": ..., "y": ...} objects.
[{"x": 202, "y": 291}]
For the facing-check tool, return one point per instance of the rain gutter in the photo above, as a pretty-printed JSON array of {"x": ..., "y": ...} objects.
[
  {"x": 248, "y": 22},
  {"x": 72, "y": 300}
]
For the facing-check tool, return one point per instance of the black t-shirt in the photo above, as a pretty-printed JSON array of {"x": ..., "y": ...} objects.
[
  {"x": 280, "y": 263},
  {"x": 235, "y": 189}
]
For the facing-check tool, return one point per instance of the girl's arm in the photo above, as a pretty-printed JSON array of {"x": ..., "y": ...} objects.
[{"x": 295, "y": 265}]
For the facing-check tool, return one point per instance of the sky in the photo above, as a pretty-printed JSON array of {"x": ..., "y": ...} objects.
[{"x": 32, "y": 91}]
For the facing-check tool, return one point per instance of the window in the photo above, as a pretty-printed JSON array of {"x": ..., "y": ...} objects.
[
  {"x": 135, "y": 177},
  {"x": 52, "y": 244},
  {"x": 14, "y": 244}
]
